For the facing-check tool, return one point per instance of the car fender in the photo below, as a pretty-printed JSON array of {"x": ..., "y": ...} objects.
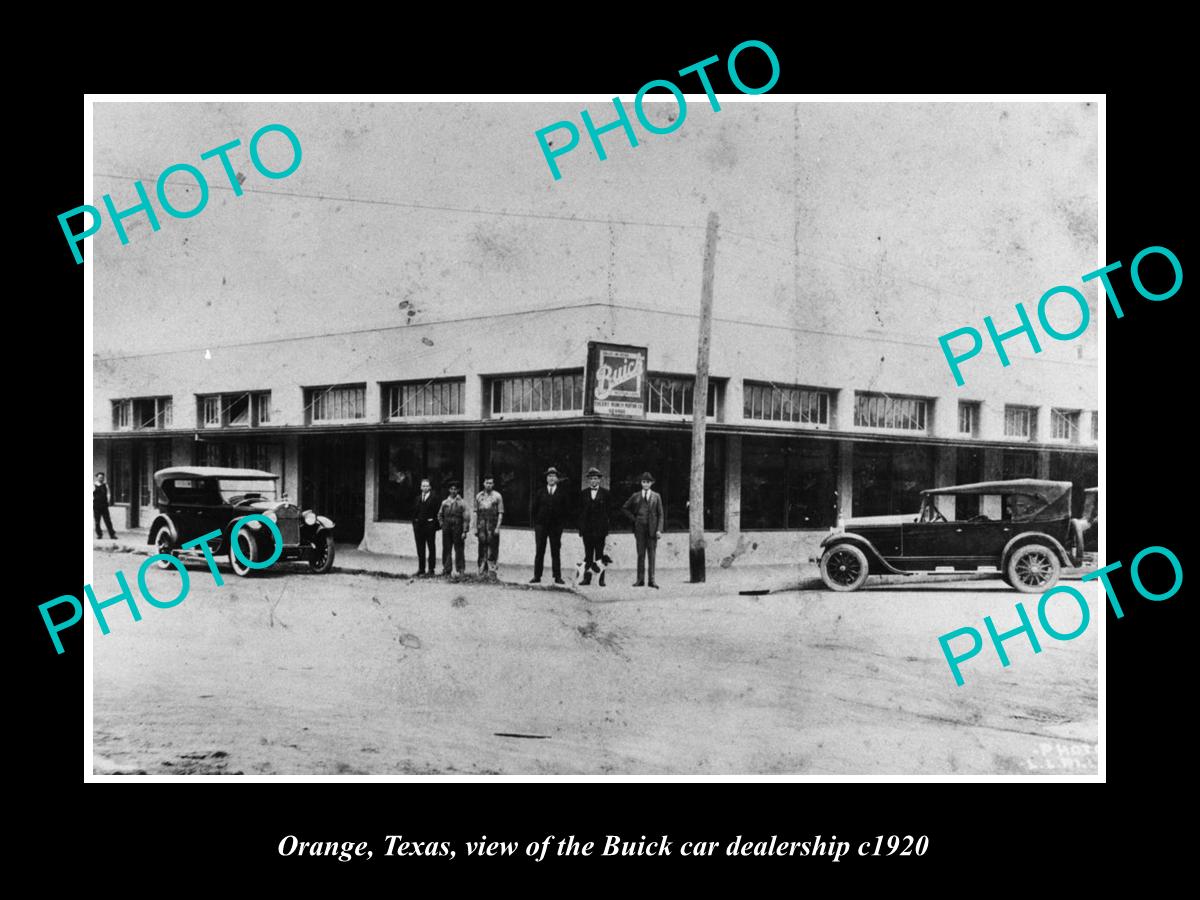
[
  {"x": 227, "y": 533},
  {"x": 325, "y": 522},
  {"x": 160, "y": 520},
  {"x": 873, "y": 556},
  {"x": 1034, "y": 537}
]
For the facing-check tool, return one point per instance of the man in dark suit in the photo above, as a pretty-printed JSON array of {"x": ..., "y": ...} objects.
[
  {"x": 425, "y": 528},
  {"x": 594, "y": 504},
  {"x": 645, "y": 510},
  {"x": 549, "y": 516},
  {"x": 100, "y": 506}
]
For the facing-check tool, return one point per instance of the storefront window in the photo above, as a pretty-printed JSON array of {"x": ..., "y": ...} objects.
[
  {"x": 120, "y": 470},
  {"x": 1081, "y": 469},
  {"x": 153, "y": 455},
  {"x": 889, "y": 478},
  {"x": 404, "y": 459},
  {"x": 968, "y": 470},
  {"x": 1020, "y": 464},
  {"x": 788, "y": 483},
  {"x": 667, "y": 455},
  {"x": 266, "y": 456},
  {"x": 518, "y": 459}
]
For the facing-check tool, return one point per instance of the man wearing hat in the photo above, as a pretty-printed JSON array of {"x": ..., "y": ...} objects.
[
  {"x": 593, "y": 522},
  {"x": 645, "y": 510},
  {"x": 549, "y": 516},
  {"x": 455, "y": 522}
]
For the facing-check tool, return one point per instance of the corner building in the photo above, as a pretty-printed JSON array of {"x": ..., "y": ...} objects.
[{"x": 443, "y": 343}]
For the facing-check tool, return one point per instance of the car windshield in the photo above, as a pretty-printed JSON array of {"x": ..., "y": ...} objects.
[{"x": 236, "y": 490}]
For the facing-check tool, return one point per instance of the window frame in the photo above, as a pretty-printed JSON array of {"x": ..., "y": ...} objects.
[
  {"x": 254, "y": 402},
  {"x": 499, "y": 389},
  {"x": 130, "y": 412},
  {"x": 772, "y": 398},
  {"x": 457, "y": 385},
  {"x": 685, "y": 384},
  {"x": 312, "y": 394},
  {"x": 925, "y": 412},
  {"x": 1032, "y": 416},
  {"x": 1074, "y": 426},
  {"x": 973, "y": 408}
]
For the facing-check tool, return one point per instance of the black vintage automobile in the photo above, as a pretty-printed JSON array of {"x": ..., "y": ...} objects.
[
  {"x": 193, "y": 501},
  {"x": 1021, "y": 529}
]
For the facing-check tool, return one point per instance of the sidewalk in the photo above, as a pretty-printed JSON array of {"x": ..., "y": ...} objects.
[
  {"x": 619, "y": 581},
  {"x": 349, "y": 560}
]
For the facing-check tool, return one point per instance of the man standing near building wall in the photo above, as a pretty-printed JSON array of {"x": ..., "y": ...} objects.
[
  {"x": 549, "y": 516},
  {"x": 100, "y": 506},
  {"x": 455, "y": 522},
  {"x": 425, "y": 527},
  {"x": 488, "y": 514},
  {"x": 593, "y": 522},
  {"x": 645, "y": 510}
]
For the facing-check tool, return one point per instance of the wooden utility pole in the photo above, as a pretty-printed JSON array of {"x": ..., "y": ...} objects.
[{"x": 700, "y": 407}]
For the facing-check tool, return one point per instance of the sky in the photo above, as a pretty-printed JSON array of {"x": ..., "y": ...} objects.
[{"x": 897, "y": 219}]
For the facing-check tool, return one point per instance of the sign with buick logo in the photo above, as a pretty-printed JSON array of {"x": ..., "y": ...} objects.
[{"x": 616, "y": 380}]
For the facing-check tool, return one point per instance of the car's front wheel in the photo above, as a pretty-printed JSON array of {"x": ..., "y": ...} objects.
[
  {"x": 1033, "y": 569},
  {"x": 321, "y": 560},
  {"x": 844, "y": 568},
  {"x": 165, "y": 546},
  {"x": 246, "y": 545}
]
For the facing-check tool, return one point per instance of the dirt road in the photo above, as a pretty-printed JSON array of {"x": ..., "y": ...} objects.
[{"x": 293, "y": 673}]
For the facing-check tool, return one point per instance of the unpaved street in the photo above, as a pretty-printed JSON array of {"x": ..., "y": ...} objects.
[{"x": 293, "y": 673}]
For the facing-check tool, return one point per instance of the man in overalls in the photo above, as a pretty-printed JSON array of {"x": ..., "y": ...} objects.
[
  {"x": 488, "y": 514},
  {"x": 455, "y": 522}
]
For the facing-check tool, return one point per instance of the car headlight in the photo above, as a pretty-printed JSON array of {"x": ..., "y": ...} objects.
[
  {"x": 271, "y": 515},
  {"x": 310, "y": 517}
]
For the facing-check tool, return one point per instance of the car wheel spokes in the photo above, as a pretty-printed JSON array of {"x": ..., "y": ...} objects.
[
  {"x": 844, "y": 567},
  {"x": 1034, "y": 569}
]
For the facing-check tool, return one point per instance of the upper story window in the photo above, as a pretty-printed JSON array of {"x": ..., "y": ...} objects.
[
  {"x": 440, "y": 397},
  {"x": 245, "y": 409},
  {"x": 336, "y": 403},
  {"x": 142, "y": 413},
  {"x": 1096, "y": 425},
  {"x": 889, "y": 411},
  {"x": 1020, "y": 422},
  {"x": 551, "y": 394},
  {"x": 672, "y": 395},
  {"x": 1064, "y": 425},
  {"x": 968, "y": 418},
  {"x": 772, "y": 403}
]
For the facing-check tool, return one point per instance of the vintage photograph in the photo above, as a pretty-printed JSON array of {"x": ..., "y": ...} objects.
[{"x": 430, "y": 412}]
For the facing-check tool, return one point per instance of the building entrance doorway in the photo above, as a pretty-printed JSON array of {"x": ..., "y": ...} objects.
[{"x": 333, "y": 481}]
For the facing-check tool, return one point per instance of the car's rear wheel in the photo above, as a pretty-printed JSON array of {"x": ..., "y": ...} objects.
[
  {"x": 246, "y": 544},
  {"x": 1033, "y": 569},
  {"x": 321, "y": 560},
  {"x": 844, "y": 568},
  {"x": 164, "y": 545}
]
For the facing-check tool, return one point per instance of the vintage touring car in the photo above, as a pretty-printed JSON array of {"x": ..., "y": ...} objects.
[
  {"x": 1022, "y": 529},
  {"x": 195, "y": 500}
]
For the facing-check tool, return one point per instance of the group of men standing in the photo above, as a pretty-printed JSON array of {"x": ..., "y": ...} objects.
[{"x": 551, "y": 510}]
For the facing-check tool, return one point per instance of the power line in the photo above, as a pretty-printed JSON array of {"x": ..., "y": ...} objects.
[
  {"x": 858, "y": 336},
  {"x": 424, "y": 206}
]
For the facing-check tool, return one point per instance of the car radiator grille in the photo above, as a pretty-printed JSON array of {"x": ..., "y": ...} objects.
[{"x": 288, "y": 521}]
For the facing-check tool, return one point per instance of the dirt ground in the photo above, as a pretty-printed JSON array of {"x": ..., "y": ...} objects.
[{"x": 295, "y": 673}]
